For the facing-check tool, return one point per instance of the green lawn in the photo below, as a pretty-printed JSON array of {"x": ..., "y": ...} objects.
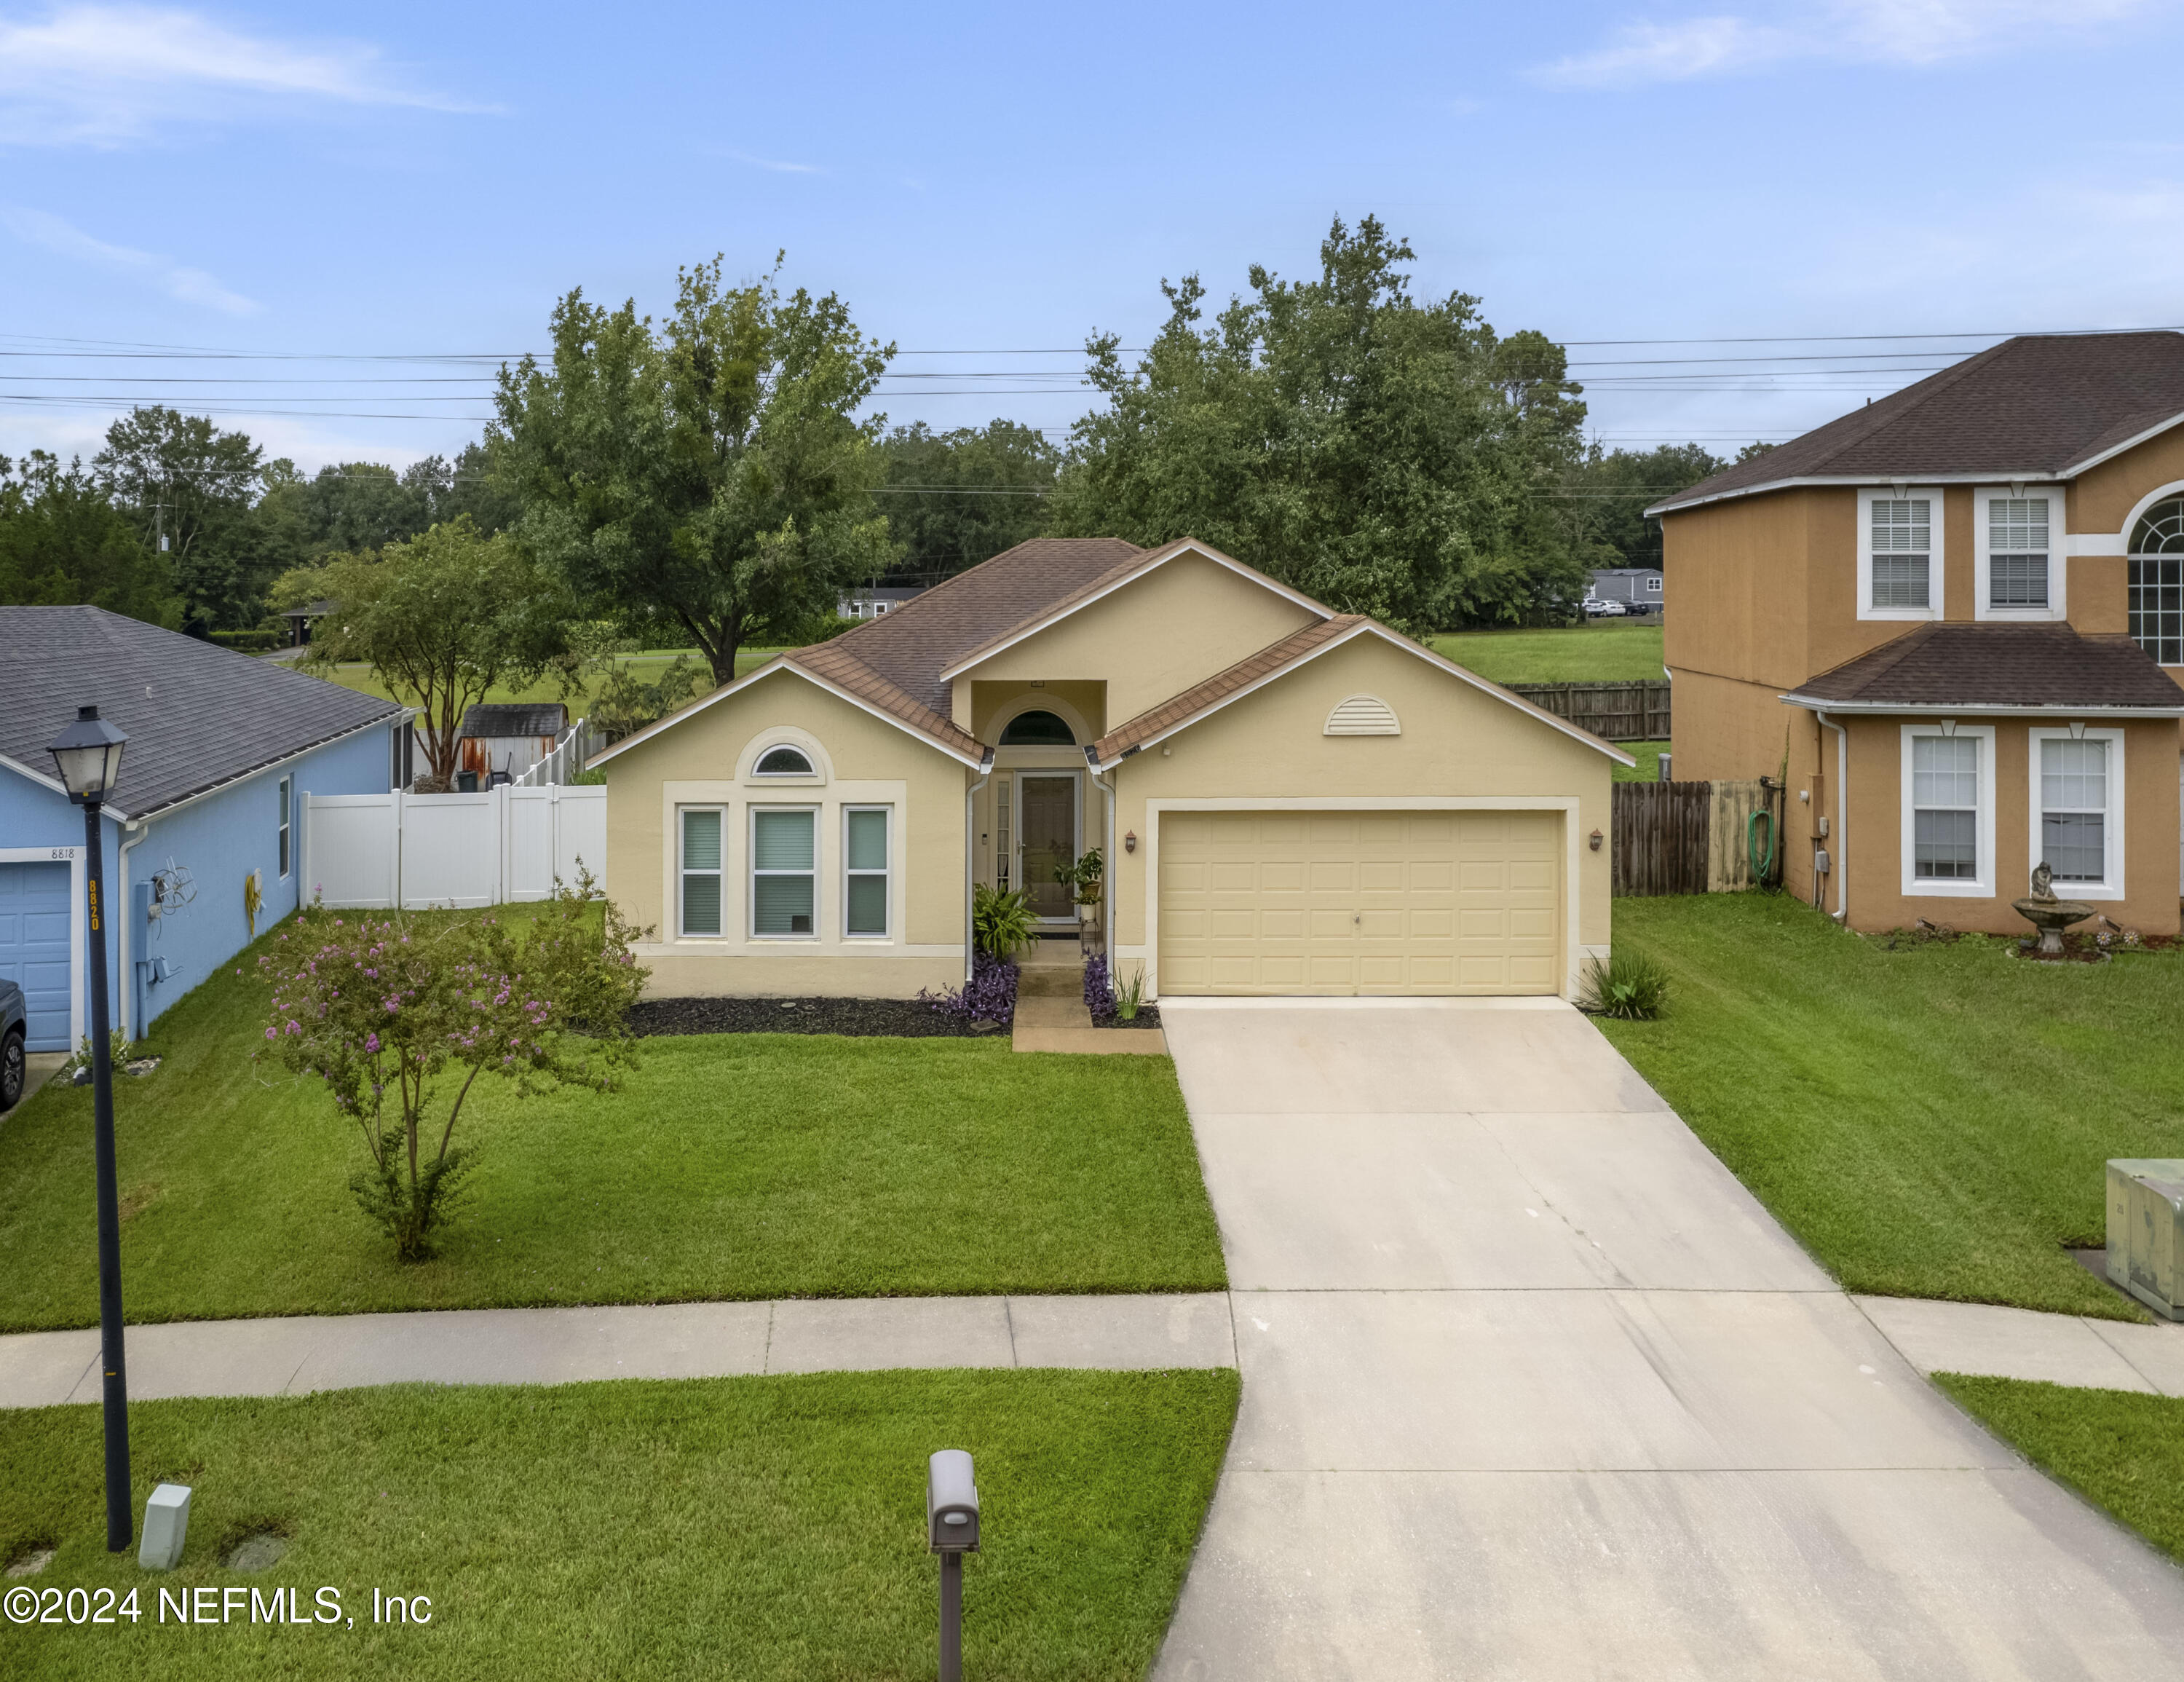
[
  {"x": 647, "y": 666},
  {"x": 1930, "y": 1122},
  {"x": 744, "y": 1528},
  {"x": 1603, "y": 651},
  {"x": 1648, "y": 768},
  {"x": 730, "y": 1166},
  {"x": 2122, "y": 1451}
]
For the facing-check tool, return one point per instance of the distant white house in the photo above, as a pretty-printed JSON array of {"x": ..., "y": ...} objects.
[
  {"x": 1637, "y": 588},
  {"x": 870, "y": 601}
]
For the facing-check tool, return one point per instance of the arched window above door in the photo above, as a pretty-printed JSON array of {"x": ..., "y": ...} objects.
[
  {"x": 2156, "y": 584},
  {"x": 1037, "y": 729},
  {"x": 783, "y": 762}
]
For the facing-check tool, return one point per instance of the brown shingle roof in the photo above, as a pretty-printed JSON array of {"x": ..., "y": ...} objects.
[
  {"x": 830, "y": 660},
  {"x": 910, "y": 648},
  {"x": 2027, "y": 406},
  {"x": 1223, "y": 684},
  {"x": 1973, "y": 665}
]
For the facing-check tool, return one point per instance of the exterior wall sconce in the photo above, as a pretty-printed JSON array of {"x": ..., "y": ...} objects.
[
  {"x": 1129, "y": 840},
  {"x": 1595, "y": 840}
]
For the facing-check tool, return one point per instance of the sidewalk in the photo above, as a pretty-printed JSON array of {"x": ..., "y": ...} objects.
[
  {"x": 1986, "y": 1341},
  {"x": 670, "y": 1340}
]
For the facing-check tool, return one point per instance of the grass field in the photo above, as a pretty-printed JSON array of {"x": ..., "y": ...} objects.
[
  {"x": 647, "y": 666},
  {"x": 730, "y": 1166},
  {"x": 1931, "y": 1120},
  {"x": 1603, "y": 651},
  {"x": 745, "y": 1528},
  {"x": 2120, "y": 1450},
  {"x": 1648, "y": 768}
]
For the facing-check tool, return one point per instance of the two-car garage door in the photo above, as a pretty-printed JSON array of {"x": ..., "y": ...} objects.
[{"x": 1360, "y": 902}]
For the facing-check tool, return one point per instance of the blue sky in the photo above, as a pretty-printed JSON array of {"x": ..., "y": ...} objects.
[{"x": 991, "y": 180}]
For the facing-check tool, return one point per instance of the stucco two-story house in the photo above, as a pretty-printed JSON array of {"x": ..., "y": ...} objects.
[
  {"x": 1955, "y": 618},
  {"x": 1289, "y": 799}
]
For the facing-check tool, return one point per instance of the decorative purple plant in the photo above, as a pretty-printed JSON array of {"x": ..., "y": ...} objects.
[
  {"x": 1099, "y": 989},
  {"x": 991, "y": 996}
]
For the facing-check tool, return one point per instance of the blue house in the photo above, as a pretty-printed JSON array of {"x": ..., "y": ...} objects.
[{"x": 222, "y": 749}]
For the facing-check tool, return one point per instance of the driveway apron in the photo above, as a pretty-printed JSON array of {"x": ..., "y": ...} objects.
[{"x": 1534, "y": 1388}]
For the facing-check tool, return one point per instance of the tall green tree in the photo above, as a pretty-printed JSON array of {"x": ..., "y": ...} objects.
[
  {"x": 710, "y": 479},
  {"x": 1383, "y": 453},
  {"x": 63, "y": 541},
  {"x": 956, "y": 498},
  {"x": 189, "y": 486},
  {"x": 441, "y": 619},
  {"x": 1603, "y": 499}
]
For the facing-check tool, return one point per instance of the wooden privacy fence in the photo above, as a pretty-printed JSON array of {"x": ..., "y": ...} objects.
[
  {"x": 1622, "y": 712},
  {"x": 1688, "y": 838}
]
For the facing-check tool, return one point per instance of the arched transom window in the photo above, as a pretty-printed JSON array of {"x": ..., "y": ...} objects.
[
  {"x": 1037, "y": 730},
  {"x": 783, "y": 762},
  {"x": 2157, "y": 582}
]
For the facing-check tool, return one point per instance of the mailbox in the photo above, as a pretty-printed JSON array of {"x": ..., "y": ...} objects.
[{"x": 952, "y": 1503}]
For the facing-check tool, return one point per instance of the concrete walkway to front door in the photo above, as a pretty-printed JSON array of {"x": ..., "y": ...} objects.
[{"x": 1534, "y": 1389}]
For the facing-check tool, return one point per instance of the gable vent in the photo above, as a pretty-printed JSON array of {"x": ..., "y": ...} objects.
[{"x": 1363, "y": 715}]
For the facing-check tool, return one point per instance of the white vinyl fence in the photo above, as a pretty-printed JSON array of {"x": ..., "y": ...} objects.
[
  {"x": 377, "y": 851},
  {"x": 578, "y": 742}
]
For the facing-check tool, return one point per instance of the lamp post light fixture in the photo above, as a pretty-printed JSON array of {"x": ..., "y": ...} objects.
[{"x": 89, "y": 756}]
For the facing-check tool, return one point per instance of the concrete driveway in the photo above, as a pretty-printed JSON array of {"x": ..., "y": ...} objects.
[{"x": 1534, "y": 1389}]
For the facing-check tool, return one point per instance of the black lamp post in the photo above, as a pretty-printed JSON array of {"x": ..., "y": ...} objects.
[{"x": 89, "y": 756}]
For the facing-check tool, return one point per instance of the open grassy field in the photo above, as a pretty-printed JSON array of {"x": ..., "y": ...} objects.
[
  {"x": 2122, "y": 1451},
  {"x": 744, "y": 1528},
  {"x": 1929, "y": 1120},
  {"x": 730, "y": 1166},
  {"x": 647, "y": 665},
  {"x": 1602, "y": 651}
]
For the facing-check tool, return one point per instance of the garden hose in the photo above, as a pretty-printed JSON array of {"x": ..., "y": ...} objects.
[{"x": 1762, "y": 868}]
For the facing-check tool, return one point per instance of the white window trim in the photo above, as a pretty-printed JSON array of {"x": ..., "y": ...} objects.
[
  {"x": 2111, "y": 885},
  {"x": 286, "y": 841},
  {"x": 1917, "y": 886},
  {"x": 1653, "y": 586},
  {"x": 797, "y": 747},
  {"x": 752, "y": 872},
  {"x": 886, "y": 871},
  {"x": 681, "y": 929},
  {"x": 2058, "y": 568},
  {"x": 1936, "y": 568}
]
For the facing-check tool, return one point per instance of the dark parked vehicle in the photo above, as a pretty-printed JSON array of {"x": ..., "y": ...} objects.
[{"x": 12, "y": 1065}]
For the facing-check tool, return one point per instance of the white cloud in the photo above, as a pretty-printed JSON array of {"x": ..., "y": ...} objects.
[
  {"x": 777, "y": 164},
  {"x": 177, "y": 280},
  {"x": 90, "y": 74},
  {"x": 1900, "y": 32}
]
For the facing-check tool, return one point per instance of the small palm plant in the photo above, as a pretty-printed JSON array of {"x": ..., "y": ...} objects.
[
  {"x": 1002, "y": 924},
  {"x": 1629, "y": 985}
]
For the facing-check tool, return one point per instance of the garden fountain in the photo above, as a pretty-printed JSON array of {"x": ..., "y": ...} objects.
[{"x": 2049, "y": 914}]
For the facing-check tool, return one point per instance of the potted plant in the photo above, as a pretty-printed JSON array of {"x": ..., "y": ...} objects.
[{"x": 1086, "y": 880}]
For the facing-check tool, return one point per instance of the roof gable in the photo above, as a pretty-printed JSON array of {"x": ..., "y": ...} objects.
[
  {"x": 1098, "y": 589},
  {"x": 2036, "y": 407},
  {"x": 882, "y": 700},
  {"x": 196, "y": 715},
  {"x": 1293, "y": 652}
]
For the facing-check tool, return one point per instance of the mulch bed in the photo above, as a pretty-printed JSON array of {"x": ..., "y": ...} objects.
[
  {"x": 898, "y": 1018},
  {"x": 1148, "y": 1016}
]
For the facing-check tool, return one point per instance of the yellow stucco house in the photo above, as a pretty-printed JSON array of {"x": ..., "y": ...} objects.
[
  {"x": 1292, "y": 800},
  {"x": 1956, "y": 616}
]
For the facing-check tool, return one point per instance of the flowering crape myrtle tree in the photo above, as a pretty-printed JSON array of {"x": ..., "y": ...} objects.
[{"x": 399, "y": 1016}]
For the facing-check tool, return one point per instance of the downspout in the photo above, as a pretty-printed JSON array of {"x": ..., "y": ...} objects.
[
  {"x": 1840, "y": 852},
  {"x": 971, "y": 856},
  {"x": 1107, "y": 856},
  {"x": 125, "y": 971}
]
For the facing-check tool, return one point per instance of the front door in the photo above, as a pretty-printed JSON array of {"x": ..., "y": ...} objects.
[{"x": 1046, "y": 822}]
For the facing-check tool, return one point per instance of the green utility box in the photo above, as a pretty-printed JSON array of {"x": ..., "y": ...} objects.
[{"x": 2146, "y": 1231}]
